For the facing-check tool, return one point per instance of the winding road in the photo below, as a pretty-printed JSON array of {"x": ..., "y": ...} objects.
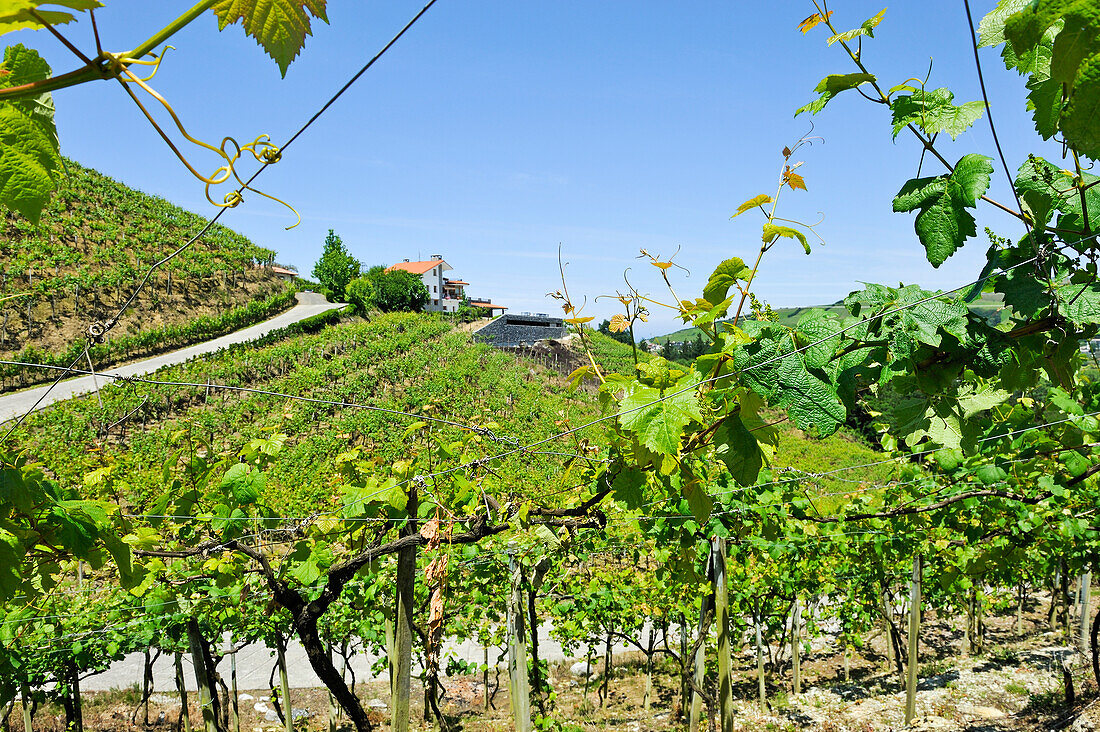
[{"x": 14, "y": 405}]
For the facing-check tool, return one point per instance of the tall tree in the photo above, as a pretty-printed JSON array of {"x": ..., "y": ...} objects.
[{"x": 336, "y": 268}]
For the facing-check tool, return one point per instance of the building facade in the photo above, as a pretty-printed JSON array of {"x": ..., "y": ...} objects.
[{"x": 444, "y": 295}]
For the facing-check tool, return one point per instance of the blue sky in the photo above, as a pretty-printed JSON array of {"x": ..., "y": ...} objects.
[{"x": 496, "y": 131}]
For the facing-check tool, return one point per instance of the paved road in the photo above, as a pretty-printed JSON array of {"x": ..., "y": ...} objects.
[
  {"x": 14, "y": 405},
  {"x": 254, "y": 665}
]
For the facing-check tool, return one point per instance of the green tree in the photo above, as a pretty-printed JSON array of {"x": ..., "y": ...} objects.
[
  {"x": 336, "y": 268},
  {"x": 360, "y": 293},
  {"x": 397, "y": 290}
]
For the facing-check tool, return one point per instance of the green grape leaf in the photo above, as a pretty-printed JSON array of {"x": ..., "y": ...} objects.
[
  {"x": 699, "y": 501},
  {"x": 30, "y": 160},
  {"x": 659, "y": 424},
  {"x": 738, "y": 449},
  {"x": 943, "y": 223},
  {"x": 15, "y": 14},
  {"x": 934, "y": 112},
  {"x": 627, "y": 486},
  {"x": 817, "y": 327},
  {"x": 754, "y": 202},
  {"x": 723, "y": 278},
  {"x": 832, "y": 85},
  {"x": 990, "y": 474},
  {"x": 867, "y": 29},
  {"x": 280, "y": 26},
  {"x": 1080, "y": 304},
  {"x": 1037, "y": 194},
  {"x": 991, "y": 29},
  {"x": 306, "y": 572},
  {"x": 1045, "y": 100},
  {"x": 975, "y": 400},
  {"x": 810, "y": 401},
  {"x": 771, "y": 232},
  {"x": 1078, "y": 122},
  {"x": 11, "y": 560},
  {"x": 244, "y": 482}
]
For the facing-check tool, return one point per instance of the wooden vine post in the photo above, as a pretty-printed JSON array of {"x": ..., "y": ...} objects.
[
  {"x": 757, "y": 620},
  {"x": 181, "y": 687},
  {"x": 796, "y": 643},
  {"x": 914, "y": 632},
  {"x": 25, "y": 698},
  {"x": 284, "y": 686},
  {"x": 202, "y": 676},
  {"x": 722, "y": 617},
  {"x": 234, "y": 710},
  {"x": 517, "y": 648},
  {"x": 1086, "y": 586},
  {"x": 401, "y": 680}
]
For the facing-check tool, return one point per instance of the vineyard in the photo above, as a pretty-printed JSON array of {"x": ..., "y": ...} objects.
[
  {"x": 77, "y": 262},
  {"x": 877, "y": 515}
]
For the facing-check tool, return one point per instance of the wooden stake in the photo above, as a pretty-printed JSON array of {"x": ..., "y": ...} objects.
[
  {"x": 517, "y": 650},
  {"x": 760, "y": 663},
  {"x": 796, "y": 650},
  {"x": 181, "y": 687},
  {"x": 284, "y": 687},
  {"x": 914, "y": 633},
  {"x": 402, "y": 642},
  {"x": 1086, "y": 582},
  {"x": 725, "y": 660},
  {"x": 234, "y": 710},
  {"x": 25, "y": 697},
  {"x": 202, "y": 677}
]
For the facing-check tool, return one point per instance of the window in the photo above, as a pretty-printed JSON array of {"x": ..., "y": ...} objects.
[{"x": 434, "y": 289}]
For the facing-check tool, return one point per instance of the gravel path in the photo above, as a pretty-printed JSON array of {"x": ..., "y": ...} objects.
[{"x": 14, "y": 405}]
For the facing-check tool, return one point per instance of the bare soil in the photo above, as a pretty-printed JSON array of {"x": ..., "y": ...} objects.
[{"x": 61, "y": 319}]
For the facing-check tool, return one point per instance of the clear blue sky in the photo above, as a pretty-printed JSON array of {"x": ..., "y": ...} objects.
[{"x": 495, "y": 131}]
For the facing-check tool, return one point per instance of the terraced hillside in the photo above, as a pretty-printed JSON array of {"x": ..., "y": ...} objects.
[
  {"x": 400, "y": 361},
  {"x": 83, "y": 259}
]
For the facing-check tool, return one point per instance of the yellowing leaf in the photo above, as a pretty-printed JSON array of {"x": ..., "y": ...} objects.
[
  {"x": 577, "y": 321},
  {"x": 661, "y": 266},
  {"x": 794, "y": 180},
  {"x": 813, "y": 21},
  {"x": 754, "y": 202},
  {"x": 619, "y": 323}
]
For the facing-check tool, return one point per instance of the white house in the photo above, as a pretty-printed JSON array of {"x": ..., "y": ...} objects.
[{"x": 444, "y": 295}]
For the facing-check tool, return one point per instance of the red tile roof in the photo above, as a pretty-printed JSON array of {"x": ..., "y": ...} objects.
[
  {"x": 418, "y": 267},
  {"x": 284, "y": 271},
  {"x": 487, "y": 305}
]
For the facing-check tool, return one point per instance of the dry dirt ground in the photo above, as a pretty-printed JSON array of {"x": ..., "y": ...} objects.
[{"x": 1016, "y": 684}]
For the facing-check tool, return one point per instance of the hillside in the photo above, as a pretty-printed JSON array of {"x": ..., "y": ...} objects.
[
  {"x": 989, "y": 306},
  {"x": 398, "y": 361},
  {"x": 94, "y": 242}
]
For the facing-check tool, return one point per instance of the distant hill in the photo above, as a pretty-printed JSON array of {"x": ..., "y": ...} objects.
[
  {"x": 989, "y": 305},
  {"x": 93, "y": 244}
]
